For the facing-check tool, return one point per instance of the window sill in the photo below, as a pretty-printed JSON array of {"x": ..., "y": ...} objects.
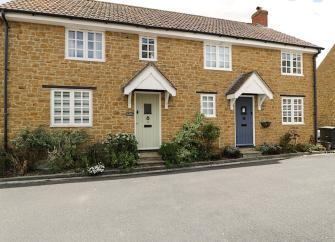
[
  {"x": 288, "y": 74},
  {"x": 146, "y": 59},
  {"x": 70, "y": 126},
  {"x": 292, "y": 124},
  {"x": 217, "y": 69},
  {"x": 84, "y": 59},
  {"x": 209, "y": 116}
]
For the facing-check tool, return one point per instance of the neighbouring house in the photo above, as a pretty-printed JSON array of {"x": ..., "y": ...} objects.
[
  {"x": 107, "y": 67},
  {"x": 326, "y": 90}
]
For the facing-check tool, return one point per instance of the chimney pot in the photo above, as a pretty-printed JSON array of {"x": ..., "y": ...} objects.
[{"x": 260, "y": 17}]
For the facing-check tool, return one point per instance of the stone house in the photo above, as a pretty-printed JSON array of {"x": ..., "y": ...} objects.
[
  {"x": 326, "y": 90},
  {"x": 105, "y": 67}
]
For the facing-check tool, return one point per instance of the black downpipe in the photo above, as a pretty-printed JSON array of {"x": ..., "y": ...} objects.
[
  {"x": 5, "y": 83},
  {"x": 315, "y": 113}
]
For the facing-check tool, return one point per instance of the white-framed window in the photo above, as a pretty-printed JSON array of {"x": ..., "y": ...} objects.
[
  {"x": 71, "y": 108},
  {"x": 291, "y": 63},
  {"x": 292, "y": 110},
  {"x": 148, "y": 48},
  {"x": 217, "y": 57},
  {"x": 208, "y": 105},
  {"x": 84, "y": 45}
]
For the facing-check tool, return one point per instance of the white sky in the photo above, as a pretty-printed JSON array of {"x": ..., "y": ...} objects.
[{"x": 310, "y": 20}]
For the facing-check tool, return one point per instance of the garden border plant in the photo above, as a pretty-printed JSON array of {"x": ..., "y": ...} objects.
[{"x": 61, "y": 150}]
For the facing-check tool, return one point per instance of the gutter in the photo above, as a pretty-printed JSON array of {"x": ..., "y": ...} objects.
[
  {"x": 315, "y": 111},
  {"x": 5, "y": 82}
]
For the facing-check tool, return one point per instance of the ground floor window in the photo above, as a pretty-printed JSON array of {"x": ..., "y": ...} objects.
[
  {"x": 292, "y": 110},
  {"x": 71, "y": 108},
  {"x": 208, "y": 105}
]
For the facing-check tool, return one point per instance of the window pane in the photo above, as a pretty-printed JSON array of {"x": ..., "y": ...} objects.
[
  {"x": 98, "y": 37},
  {"x": 80, "y": 54},
  {"x": 98, "y": 55},
  {"x": 90, "y": 36},
  {"x": 80, "y": 44},
  {"x": 90, "y": 54},
  {"x": 72, "y": 34},
  {"x": 98, "y": 45},
  {"x": 80, "y": 35},
  {"x": 90, "y": 45}
]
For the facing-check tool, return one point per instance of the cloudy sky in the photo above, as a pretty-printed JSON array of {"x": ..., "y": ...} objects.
[{"x": 311, "y": 20}]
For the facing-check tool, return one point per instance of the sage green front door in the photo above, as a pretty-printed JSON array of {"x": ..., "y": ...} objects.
[{"x": 148, "y": 120}]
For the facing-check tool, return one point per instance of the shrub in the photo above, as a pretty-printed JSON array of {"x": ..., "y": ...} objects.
[
  {"x": 317, "y": 147},
  {"x": 97, "y": 154},
  {"x": 303, "y": 147},
  {"x": 126, "y": 160},
  {"x": 286, "y": 142},
  {"x": 267, "y": 149},
  {"x": 65, "y": 153},
  {"x": 209, "y": 134},
  {"x": 121, "y": 150},
  {"x": 31, "y": 146},
  {"x": 232, "y": 152},
  {"x": 4, "y": 161},
  {"x": 122, "y": 142},
  {"x": 168, "y": 151},
  {"x": 190, "y": 133},
  {"x": 193, "y": 142}
]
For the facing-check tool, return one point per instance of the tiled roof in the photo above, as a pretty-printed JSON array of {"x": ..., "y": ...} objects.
[
  {"x": 146, "y": 17},
  {"x": 239, "y": 81}
]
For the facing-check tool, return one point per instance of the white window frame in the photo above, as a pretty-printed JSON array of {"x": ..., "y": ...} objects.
[
  {"x": 155, "y": 48},
  {"x": 71, "y": 123},
  {"x": 214, "y": 105},
  {"x": 292, "y": 98},
  {"x": 218, "y": 45},
  {"x": 85, "y": 56},
  {"x": 291, "y": 61}
]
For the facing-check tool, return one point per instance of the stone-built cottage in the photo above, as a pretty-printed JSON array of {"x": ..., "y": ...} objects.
[
  {"x": 106, "y": 67},
  {"x": 326, "y": 90}
]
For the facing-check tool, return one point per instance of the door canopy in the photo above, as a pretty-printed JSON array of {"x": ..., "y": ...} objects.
[
  {"x": 150, "y": 79},
  {"x": 249, "y": 83}
]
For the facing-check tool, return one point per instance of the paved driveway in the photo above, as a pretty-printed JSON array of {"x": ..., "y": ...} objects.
[{"x": 293, "y": 200}]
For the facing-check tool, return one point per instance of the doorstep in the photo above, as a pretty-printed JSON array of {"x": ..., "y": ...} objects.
[{"x": 38, "y": 180}]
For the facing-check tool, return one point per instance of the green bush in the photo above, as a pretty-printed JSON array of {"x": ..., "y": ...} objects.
[
  {"x": 193, "y": 142},
  {"x": 66, "y": 150},
  {"x": 231, "y": 152},
  {"x": 31, "y": 146},
  {"x": 267, "y": 149},
  {"x": 4, "y": 160},
  {"x": 126, "y": 160},
  {"x": 190, "y": 133},
  {"x": 97, "y": 154},
  {"x": 168, "y": 151},
  {"x": 122, "y": 150},
  {"x": 286, "y": 142},
  {"x": 303, "y": 147},
  {"x": 209, "y": 134}
]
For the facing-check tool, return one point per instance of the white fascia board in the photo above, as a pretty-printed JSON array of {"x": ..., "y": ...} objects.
[{"x": 61, "y": 21}]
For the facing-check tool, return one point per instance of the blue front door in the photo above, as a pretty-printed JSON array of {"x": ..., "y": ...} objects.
[{"x": 244, "y": 122}]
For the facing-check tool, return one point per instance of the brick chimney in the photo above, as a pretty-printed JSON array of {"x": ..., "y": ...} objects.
[{"x": 260, "y": 17}]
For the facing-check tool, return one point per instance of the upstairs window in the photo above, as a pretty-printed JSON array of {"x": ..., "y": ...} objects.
[
  {"x": 84, "y": 45},
  {"x": 292, "y": 110},
  {"x": 291, "y": 63},
  {"x": 71, "y": 108},
  {"x": 218, "y": 57},
  {"x": 148, "y": 48},
  {"x": 208, "y": 105}
]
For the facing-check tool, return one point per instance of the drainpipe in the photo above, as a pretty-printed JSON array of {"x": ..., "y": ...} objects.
[
  {"x": 315, "y": 113},
  {"x": 5, "y": 82}
]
